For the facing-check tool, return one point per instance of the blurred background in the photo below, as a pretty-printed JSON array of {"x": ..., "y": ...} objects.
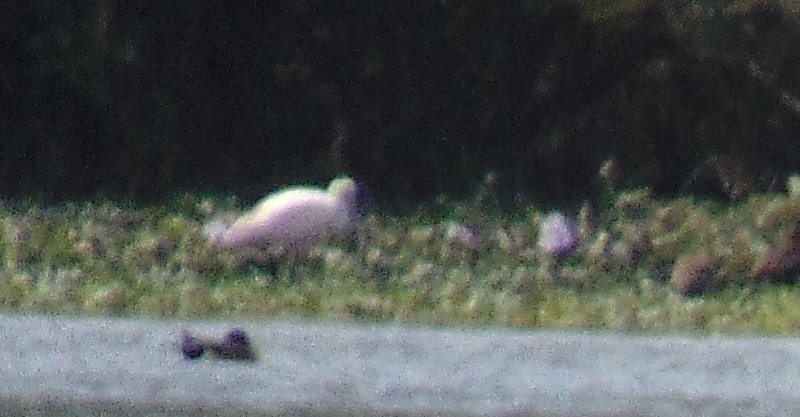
[{"x": 143, "y": 100}]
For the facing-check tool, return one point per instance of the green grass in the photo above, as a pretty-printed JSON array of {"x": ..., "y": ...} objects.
[{"x": 105, "y": 259}]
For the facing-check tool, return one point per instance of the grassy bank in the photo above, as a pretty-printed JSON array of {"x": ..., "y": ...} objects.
[{"x": 454, "y": 264}]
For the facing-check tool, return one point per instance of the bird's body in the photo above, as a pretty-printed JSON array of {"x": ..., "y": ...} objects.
[{"x": 294, "y": 219}]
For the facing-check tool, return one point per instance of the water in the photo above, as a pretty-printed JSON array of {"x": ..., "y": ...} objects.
[{"x": 97, "y": 366}]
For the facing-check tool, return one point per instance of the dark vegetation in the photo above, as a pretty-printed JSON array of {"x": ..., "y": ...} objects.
[{"x": 141, "y": 100}]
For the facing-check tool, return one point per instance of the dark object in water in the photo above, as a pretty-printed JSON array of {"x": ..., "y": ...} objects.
[
  {"x": 191, "y": 346},
  {"x": 234, "y": 346}
]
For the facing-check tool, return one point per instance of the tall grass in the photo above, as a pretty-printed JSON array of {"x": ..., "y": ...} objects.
[{"x": 464, "y": 265}]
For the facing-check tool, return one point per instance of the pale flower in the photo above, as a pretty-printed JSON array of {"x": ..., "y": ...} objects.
[
  {"x": 461, "y": 234},
  {"x": 557, "y": 235}
]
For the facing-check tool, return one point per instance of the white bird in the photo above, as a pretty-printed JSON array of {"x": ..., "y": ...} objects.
[{"x": 294, "y": 219}]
